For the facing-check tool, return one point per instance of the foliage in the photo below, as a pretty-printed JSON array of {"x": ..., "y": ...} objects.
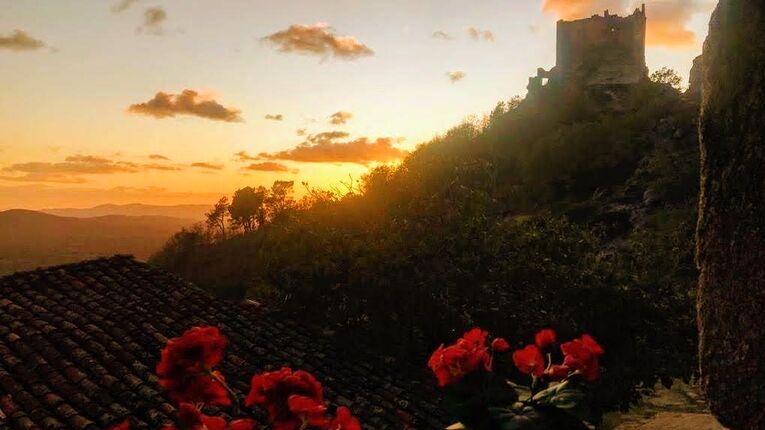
[
  {"x": 667, "y": 76},
  {"x": 292, "y": 399},
  {"x": 553, "y": 211}
]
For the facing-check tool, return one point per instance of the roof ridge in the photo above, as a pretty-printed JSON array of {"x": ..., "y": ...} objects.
[{"x": 44, "y": 269}]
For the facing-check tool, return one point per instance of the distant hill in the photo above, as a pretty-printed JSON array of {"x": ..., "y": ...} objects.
[
  {"x": 30, "y": 239},
  {"x": 193, "y": 212}
]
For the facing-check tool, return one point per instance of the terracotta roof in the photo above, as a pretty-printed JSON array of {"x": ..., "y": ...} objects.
[{"x": 79, "y": 344}]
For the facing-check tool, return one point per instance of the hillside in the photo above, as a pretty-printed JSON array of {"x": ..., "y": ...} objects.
[
  {"x": 574, "y": 210},
  {"x": 30, "y": 239},
  {"x": 193, "y": 212}
]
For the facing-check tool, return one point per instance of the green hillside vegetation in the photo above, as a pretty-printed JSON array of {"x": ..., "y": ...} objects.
[{"x": 569, "y": 210}]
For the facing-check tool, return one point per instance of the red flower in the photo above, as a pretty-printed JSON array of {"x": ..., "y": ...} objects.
[
  {"x": 470, "y": 353},
  {"x": 190, "y": 418},
  {"x": 186, "y": 367},
  {"x": 272, "y": 391},
  {"x": 500, "y": 345},
  {"x": 545, "y": 338},
  {"x": 308, "y": 410},
  {"x": 582, "y": 355},
  {"x": 344, "y": 420},
  {"x": 530, "y": 361},
  {"x": 125, "y": 425},
  {"x": 242, "y": 424},
  {"x": 557, "y": 372}
]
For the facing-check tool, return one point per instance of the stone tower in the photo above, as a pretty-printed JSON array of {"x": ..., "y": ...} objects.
[{"x": 602, "y": 50}]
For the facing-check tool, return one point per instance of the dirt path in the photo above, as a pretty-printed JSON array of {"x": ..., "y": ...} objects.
[{"x": 680, "y": 408}]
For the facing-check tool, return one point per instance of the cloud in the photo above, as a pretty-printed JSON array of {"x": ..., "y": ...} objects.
[
  {"x": 268, "y": 166},
  {"x": 275, "y": 117},
  {"x": 326, "y": 148},
  {"x": 301, "y": 132},
  {"x": 123, "y": 5},
  {"x": 158, "y": 157},
  {"x": 243, "y": 156},
  {"x": 339, "y": 118},
  {"x": 456, "y": 76},
  {"x": 74, "y": 167},
  {"x": 667, "y": 20},
  {"x": 153, "y": 18},
  {"x": 20, "y": 41},
  {"x": 477, "y": 34},
  {"x": 442, "y": 35},
  {"x": 207, "y": 166},
  {"x": 40, "y": 196},
  {"x": 318, "y": 39},
  {"x": 189, "y": 102}
]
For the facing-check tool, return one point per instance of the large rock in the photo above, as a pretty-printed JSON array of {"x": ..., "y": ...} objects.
[{"x": 731, "y": 235}]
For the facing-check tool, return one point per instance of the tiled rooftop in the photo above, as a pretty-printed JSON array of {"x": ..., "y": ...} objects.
[{"x": 79, "y": 344}]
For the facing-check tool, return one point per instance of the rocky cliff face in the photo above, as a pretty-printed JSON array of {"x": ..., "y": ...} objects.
[{"x": 731, "y": 231}]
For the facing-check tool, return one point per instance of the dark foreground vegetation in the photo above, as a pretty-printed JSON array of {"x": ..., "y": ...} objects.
[{"x": 568, "y": 210}]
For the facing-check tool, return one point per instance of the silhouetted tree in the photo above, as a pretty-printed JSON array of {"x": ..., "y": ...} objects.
[
  {"x": 247, "y": 209},
  {"x": 668, "y": 76},
  {"x": 216, "y": 219},
  {"x": 279, "y": 199}
]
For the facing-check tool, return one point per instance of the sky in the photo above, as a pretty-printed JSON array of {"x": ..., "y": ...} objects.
[{"x": 184, "y": 101}]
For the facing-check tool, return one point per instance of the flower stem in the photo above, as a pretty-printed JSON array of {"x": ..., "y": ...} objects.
[{"x": 234, "y": 397}]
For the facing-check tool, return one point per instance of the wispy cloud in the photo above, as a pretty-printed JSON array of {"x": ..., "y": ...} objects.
[
  {"x": 301, "y": 132},
  {"x": 74, "y": 167},
  {"x": 123, "y": 5},
  {"x": 207, "y": 166},
  {"x": 267, "y": 166},
  {"x": 274, "y": 117},
  {"x": 442, "y": 35},
  {"x": 477, "y": 34},
  {"x": 20, "y": 41},
  {"x": 339, "y": 118},
  {"x": 455, "y": 76},
  {"x": 158, "y": 157},
  {"x": 189, "y": 102},
  {"x": 318, "y": 39},
  {"x": 329, "y": 147},
  {"x": 153, "y": 18}
]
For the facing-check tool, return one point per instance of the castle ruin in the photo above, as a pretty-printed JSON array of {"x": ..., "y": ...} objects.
[{"x": 603, "y": 50}]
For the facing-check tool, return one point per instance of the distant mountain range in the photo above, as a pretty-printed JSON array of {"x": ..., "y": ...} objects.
[
  {"x": 193, "y": 212},
  {"x": 31, "y": 239}
]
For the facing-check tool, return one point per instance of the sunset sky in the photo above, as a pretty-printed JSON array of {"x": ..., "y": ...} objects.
[{"x": 183, "y": 101}]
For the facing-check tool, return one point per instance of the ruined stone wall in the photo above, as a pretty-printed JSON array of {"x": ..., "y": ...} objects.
[{"x": 602, "y": 50}]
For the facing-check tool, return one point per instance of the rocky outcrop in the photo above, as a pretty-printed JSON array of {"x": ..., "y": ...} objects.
[
  {"x": 696, "y": 80},
  {"x": 731, "y": 230}
]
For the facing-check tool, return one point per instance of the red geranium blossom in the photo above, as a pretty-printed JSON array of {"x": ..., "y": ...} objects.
[
  {"x": 308, "y": 410},
  {"x": 545, "y": 338},
  {"x": 582, "y": 355},
  {"x": 272, "y": 391},
  {"x": 186, "y": 367},
  {"x": 125, "y": 425},
  {"x": 500, "y": 345},
  {"x": 344, "y": 420},
  {"x": 191, "y": 418},
  {"x": 557, "y": 372},
  {"x": 530, "y": 361},
  {"x": 451, "y": 363}
]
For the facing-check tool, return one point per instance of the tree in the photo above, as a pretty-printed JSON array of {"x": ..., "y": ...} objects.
[
  {"x": 280, "y": 199},
  {"x": 216, "y": 219},
  {"x": 731, "y": 228},
  {"x": 246, "y": 208},
  {"x": 668, "y": 76}
]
